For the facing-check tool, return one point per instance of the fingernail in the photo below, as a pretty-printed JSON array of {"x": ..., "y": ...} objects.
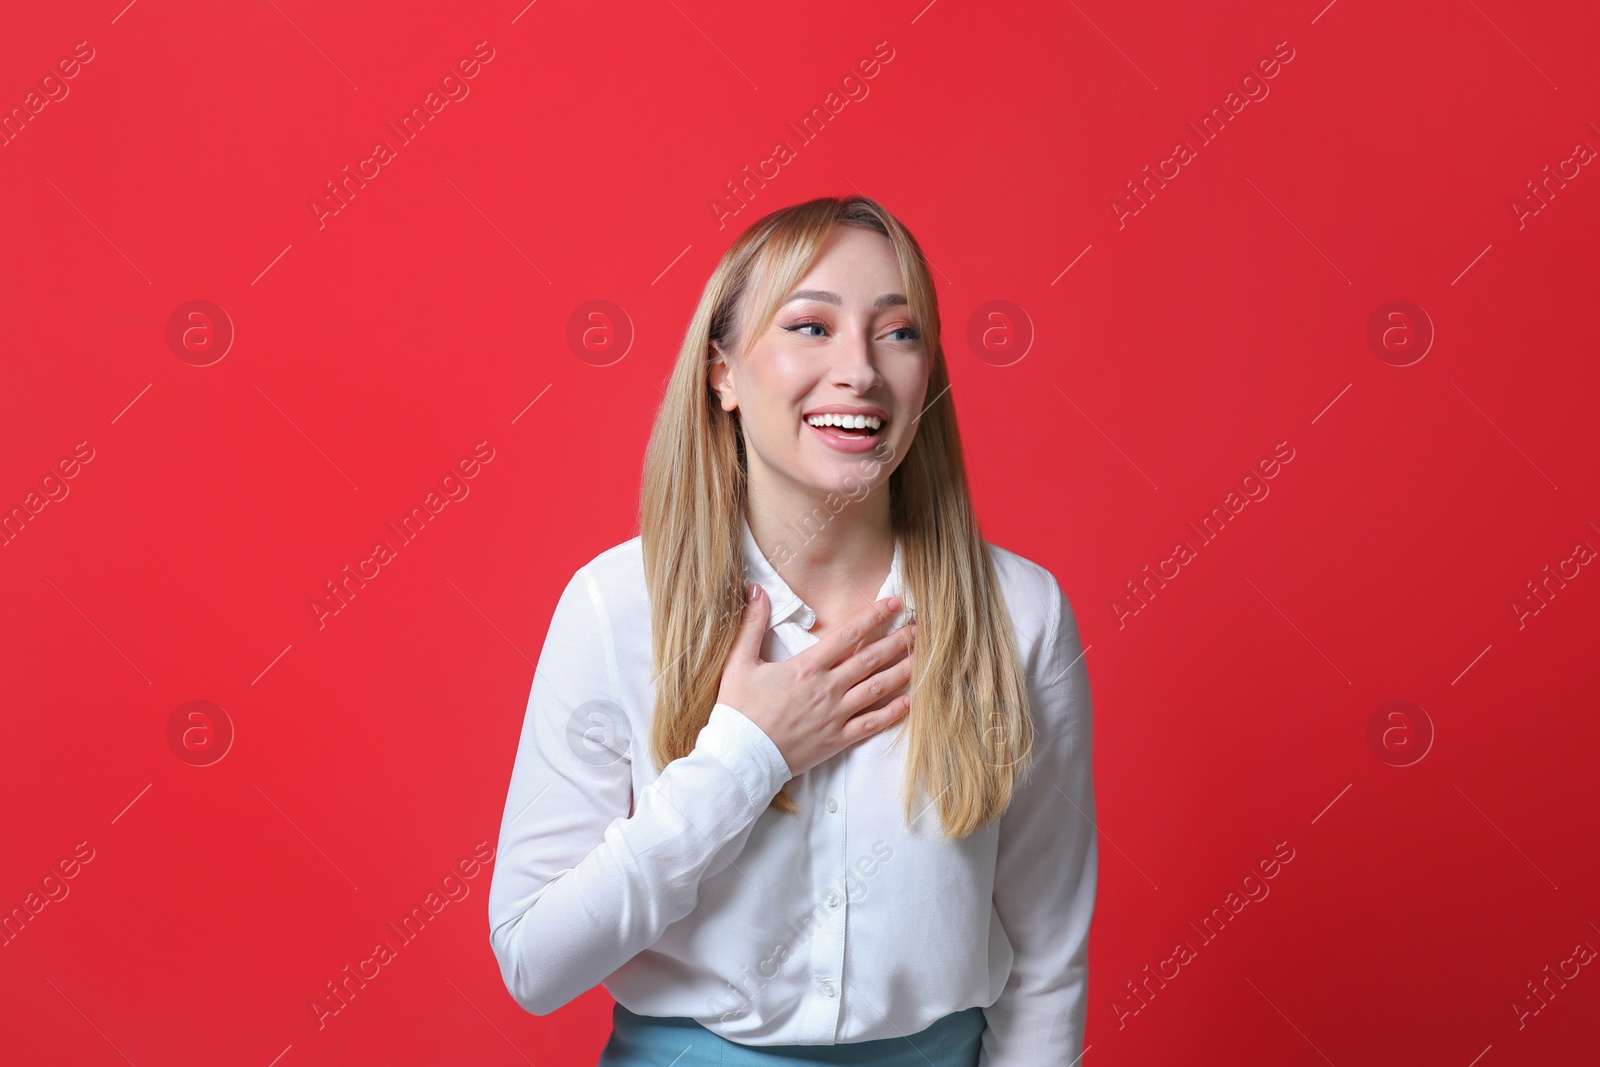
[{"x": 754, "y": 589}]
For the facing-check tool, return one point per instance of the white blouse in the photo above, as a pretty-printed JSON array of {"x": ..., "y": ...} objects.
[{"x": 684, "y": 895}]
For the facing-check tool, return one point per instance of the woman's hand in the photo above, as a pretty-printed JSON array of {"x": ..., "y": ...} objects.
[{"x": 812, "y": 704}]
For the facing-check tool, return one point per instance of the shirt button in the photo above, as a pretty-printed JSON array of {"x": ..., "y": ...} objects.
[
  {"x": 827, "y": 987},
  {"x": 833, "y": 899},
  {"x": 833, "y": 805}
]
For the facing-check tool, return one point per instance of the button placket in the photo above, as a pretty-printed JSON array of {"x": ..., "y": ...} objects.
[
  {"x": 831, "y": 852},
  {"x": 832, "y": 805},
  {"x": 824, "y": 870},
  {"x": 827, "y": 947}
]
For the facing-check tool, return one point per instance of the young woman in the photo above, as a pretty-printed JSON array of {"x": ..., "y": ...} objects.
[{"x": 742, "y": 801}]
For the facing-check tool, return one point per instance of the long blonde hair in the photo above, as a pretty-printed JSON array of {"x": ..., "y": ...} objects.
[{"x": 969, "y": 726}]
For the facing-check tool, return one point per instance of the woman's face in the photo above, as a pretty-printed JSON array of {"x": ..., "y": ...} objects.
[{"x": 843, "y": 342}]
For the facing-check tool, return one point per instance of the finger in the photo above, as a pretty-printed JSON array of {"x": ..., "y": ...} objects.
[
  {"x": 874, "y": 656},
  {"x": 880, "y": 685},
  {"x": 847, "y": 640},
  {"x": 868, "y": 723},
  {"x": 753, "y": 623}
]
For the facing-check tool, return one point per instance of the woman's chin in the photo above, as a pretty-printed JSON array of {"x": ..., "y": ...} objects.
[{"x": 848, "y": 482}]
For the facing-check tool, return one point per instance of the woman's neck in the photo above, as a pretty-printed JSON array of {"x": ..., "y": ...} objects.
[{"x": 835, "y": 561}]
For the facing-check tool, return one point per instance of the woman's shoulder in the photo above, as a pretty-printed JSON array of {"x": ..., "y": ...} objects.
[
  {"x": 619, "y": 561},
  {"x": 1025, "y": 583},
  {"x": 618, "y": 570},
  {"x": 604, "y": 595},
  {"x": 1034, "y": 598}
]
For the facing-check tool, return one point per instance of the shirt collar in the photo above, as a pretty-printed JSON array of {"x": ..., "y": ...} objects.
[{"x": 786, "y": 603}]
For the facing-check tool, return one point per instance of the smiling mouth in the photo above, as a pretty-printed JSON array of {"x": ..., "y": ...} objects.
[{"x": 848, "y": 427}]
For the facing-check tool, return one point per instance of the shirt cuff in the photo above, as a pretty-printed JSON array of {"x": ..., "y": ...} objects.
[{"x": 747, "y": 751}]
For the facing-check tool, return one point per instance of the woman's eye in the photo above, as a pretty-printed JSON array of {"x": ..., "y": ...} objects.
[{"x": 911, "y": 333}]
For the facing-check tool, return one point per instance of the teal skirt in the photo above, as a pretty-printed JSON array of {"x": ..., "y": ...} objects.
[{"x": 653, "y": 1041}]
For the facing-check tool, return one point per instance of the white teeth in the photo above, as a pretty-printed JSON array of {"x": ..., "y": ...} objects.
[{"x": 847, "y": 422}]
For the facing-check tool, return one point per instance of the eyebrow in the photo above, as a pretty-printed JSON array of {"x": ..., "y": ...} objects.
[{"x": 887, "y": 300}]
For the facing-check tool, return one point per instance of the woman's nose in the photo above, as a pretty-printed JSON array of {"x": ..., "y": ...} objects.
[{"x": 856, "y": 366}]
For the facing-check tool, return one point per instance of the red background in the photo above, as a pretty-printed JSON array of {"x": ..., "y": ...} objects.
[{"x": 372, "y": 753}]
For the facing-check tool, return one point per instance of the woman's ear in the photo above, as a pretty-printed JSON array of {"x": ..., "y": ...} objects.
[{"x": 719, "y": 379}]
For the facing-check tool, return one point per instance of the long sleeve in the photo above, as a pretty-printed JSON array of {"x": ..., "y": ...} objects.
[
  {"x": 1046, "y": 866},
  {"x": 588, "y": 875}
]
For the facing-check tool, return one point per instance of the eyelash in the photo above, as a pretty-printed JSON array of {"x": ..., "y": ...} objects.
[{"x": 916, "y": 335}]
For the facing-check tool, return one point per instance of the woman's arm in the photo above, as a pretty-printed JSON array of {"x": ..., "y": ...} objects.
[
  {"x": 1046, "y": 866},
  {"x": 580, "y": 885}
]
